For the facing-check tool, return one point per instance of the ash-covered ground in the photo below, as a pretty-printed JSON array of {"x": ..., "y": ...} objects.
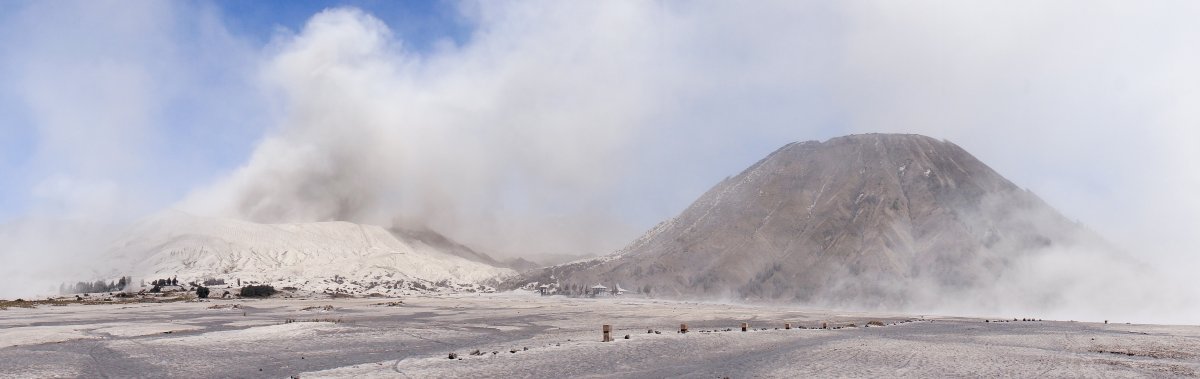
[{"x": 520, "y": 334}]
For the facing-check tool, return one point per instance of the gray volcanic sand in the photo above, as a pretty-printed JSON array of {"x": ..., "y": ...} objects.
[{"x": 560, "y": 337}]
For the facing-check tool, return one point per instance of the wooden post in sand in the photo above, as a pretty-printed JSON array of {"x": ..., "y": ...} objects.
[
  {"x": 607, "y": 333},
  {"x": 745, "y": 325},
  {"x": 683, "y": 328},
  {"x": 787, "y": 326}
]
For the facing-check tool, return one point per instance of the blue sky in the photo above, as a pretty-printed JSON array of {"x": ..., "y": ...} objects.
[{"x": 419, "y": 23}]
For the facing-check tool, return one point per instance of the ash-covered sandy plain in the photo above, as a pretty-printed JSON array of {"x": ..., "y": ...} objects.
[{"x": 522, "y": 334}]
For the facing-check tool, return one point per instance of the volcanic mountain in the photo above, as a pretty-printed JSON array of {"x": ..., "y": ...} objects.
[
  {"x": 863, "y": 220},
  {"x": 318, "y": 256}
]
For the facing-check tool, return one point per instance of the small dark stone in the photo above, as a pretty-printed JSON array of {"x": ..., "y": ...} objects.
[
  {"x": 453, "y": 355},
  {"x": 626, "y": 336}
]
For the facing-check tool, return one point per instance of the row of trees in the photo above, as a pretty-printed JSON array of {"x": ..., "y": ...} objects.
[
  {"x": 577, "y": 289},
  {"x": 120, "y": 285},
  {"x": 257, "y": 291},
  {"x": 247, "y": 291},
  {"x": 165, "y": 282},
  {"x": 96, "y": 286}
]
